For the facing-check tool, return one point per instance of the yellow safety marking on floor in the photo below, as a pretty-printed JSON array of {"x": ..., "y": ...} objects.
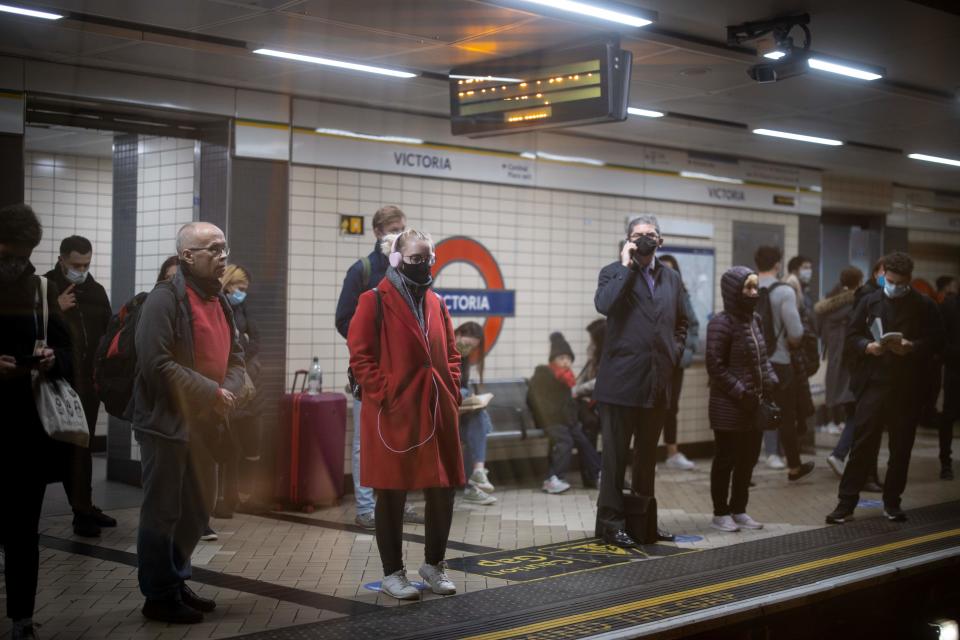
[{"x": 714, "y": 588}]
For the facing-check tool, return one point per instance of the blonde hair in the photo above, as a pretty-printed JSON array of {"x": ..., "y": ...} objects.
[
  {"x": 234, "y": 275},
  {"x": 402, "y": 238}
]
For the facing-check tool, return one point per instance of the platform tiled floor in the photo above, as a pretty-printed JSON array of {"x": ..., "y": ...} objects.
[{"x": 88, "y": 597}]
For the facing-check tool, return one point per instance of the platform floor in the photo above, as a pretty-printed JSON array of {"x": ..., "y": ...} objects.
[{"x": 290, "y": 569}]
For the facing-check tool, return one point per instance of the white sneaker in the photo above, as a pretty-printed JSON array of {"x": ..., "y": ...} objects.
[
  {"x": 775, "y": 462},
  {"x": 834, "y": 429},
  {"x": 836, "y": 464},
  {"x": 471, "y": 493},
  {"x": 397, "y": 585},
  {"x": 746, "y": 522},
  {"x": 680, "y": 462},
  {"x": 436, "y": 577},
  {"x": 724, "y": 523},
  {"x": 553, "y": 484},
  {"x": 481, "y": 480}
]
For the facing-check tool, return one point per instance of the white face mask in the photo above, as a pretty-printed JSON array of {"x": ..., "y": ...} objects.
[
  {"x": 806, "y": 275},
  {"x": 76, "y": 277}
]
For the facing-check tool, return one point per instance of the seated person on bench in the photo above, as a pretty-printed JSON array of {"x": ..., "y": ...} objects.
[
  {"x": 475, "y": 424},
  {"x": 555, "y": 410}
]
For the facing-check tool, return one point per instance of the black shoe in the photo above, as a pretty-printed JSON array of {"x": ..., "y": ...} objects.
[
  {"x": 85, "y": 525},
  {"x": 840, "y": 515},
  {"x": 894, "y": 514},
  {"x": 172, "y": 611},
  {"x": 804, "y": 470},
  {"x": 665, "y": 536},
  {"x": 192, "y": 600},
  {"x": 872, "y": 486},
  {"x": 103, "y": 519},
  {"x": 946, "y": 473},
  {"x": 25, "y": 632},
  {"x": 619, "y": 538}
]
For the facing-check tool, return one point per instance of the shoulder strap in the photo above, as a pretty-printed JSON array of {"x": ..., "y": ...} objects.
[
  {"x": 365, "y": 278},
  {"x": 378, "y": 319},
  {"x": 46, "y": 306}
]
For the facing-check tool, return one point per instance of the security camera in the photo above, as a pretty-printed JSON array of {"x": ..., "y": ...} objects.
[{"x": 792, "y": 64}]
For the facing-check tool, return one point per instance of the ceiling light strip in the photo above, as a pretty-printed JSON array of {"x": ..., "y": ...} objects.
[
  {"x": 646, "y": 113},
  {"x": 32, "y": 13},
  {"x": 593, "y": 11},
  {"x": 798, "y": 136},
  {"x": 329, "y": 62},
  {"x": 937, "y": 159},
  {"x": 842, "y": 69}
]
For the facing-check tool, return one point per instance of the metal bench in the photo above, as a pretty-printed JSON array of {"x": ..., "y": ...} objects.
[{"x": 508, "y": 410}]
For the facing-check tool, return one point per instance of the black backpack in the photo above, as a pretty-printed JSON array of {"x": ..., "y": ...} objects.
[
  {"x": 115, "y": 364},
  {"x": 765, "y": 312}
]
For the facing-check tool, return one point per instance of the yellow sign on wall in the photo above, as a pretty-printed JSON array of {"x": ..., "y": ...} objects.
[{"x": 351, "y": 225}]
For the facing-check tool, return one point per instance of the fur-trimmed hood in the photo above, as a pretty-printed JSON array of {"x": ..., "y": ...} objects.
[{"x": 829, "y": 305}]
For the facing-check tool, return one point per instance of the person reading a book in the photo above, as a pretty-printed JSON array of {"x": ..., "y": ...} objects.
[
  {"x": 892, "y": 337},
  {"x": 475, "y": 423}
]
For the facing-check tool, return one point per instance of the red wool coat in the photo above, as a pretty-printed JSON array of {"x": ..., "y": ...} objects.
[{"x": 411, "y": 393}]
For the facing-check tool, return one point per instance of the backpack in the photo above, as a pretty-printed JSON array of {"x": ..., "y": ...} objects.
[
  {"x": 765, "y": 311},
  {"x": 115, "y": 362},
  {"x": 809, "y": 345},
  {"x": 367, "y": 269}
]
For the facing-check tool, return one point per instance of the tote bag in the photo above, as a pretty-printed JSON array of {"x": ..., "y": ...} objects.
[{"x": 58, "y": 404}]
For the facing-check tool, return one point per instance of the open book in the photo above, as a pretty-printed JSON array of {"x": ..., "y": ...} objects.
[
  {"x": 476, "y": 402},
  {"x": 876, "y": 330}
]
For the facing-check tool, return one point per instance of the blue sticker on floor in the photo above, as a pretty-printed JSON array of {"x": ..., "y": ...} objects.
[
  {"x": 687, "y": 538},
  {"x": 375, "y": 586},
  {"x": 870, "y": 504}
]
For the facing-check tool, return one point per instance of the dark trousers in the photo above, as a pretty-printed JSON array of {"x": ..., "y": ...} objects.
[
  {"x": 179, "y": 482},
  {"x": 388, "y": 516},
  {"x": 563, "y": 438},
  {"x": 78, "y": 481},
  {"x": 736, "y": 454},
  {"x": 670, "y": 420},
  {"x": 618, "y": 424},
  {"x": 786, "y": 396},
  {"x": 878, "y": 408},
  {"x": 951, "y": 413},
  {"x": 23, "y": 501}
]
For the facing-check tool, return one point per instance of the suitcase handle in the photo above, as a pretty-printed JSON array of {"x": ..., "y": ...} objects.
[{"x": 303, "y": 385}]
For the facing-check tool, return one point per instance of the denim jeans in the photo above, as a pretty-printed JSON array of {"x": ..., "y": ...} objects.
[
  {"x": 179, "y": 484},
  {"x": 474, "y": 428},
  {"x": 363, "y": 495}
]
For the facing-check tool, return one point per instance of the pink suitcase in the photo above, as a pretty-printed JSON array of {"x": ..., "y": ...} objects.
[{"x": 310, "y": 450}]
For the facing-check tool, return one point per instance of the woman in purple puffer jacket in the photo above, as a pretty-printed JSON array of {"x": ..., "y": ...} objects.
[{"x": 739, "y": 374}]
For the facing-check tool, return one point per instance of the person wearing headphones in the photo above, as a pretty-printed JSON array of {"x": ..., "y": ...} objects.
[{"x": 405, "y": 359}]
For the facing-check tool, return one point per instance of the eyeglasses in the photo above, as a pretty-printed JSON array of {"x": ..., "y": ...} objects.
[
  {"x": 216, "y": 250},
  {"x": 419, "y": 259}
]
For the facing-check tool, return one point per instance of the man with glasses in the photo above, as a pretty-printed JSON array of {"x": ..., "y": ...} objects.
[
  {"x": 189, "y": 370},
  {"x": 646, "y": 334}
]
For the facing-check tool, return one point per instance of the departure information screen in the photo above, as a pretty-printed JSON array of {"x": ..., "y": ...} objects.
[{"x": 550, "y": 88}]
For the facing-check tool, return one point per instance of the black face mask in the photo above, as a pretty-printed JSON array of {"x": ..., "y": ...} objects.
[
  {"x": 748, "y": 304},
  {"x": 646, "y": 245},
  {"x": 418, "y": 273}
]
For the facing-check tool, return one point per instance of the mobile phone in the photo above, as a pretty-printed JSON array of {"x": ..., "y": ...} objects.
[{"x": 28, "y": 361}]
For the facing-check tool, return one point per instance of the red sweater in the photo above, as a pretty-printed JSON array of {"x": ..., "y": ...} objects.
[{"x": 211, "y": 336}]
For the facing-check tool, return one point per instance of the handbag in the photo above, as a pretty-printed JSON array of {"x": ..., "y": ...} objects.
[{"x": 58, "y": 404}]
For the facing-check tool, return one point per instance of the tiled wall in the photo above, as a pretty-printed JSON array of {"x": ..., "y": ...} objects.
[
  {"x": 550, "y": 245},
  {"x": 72, "y": 196},
  {"x": 165, "y": 197}
]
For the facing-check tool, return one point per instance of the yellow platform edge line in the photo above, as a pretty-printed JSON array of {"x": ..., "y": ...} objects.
[{"x": 713, "y": 588}]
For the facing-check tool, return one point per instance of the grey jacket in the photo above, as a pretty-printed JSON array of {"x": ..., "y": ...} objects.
[{"x": 171, "y": 399}]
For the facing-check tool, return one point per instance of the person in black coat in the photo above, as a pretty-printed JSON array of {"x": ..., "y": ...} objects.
[
  {"x": 950, "y": 311},
  {"x": 28, "y": 458},
  {"x": 646, "y": 333},
  {"x": 86, "y": 308},
  {"x": 740, "y": 375},
  {"x": 885, "y": 379}
]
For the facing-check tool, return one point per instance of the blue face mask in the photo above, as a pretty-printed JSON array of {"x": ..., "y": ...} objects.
[
  {"x": 881, "y": 280},
  {"x": 237, "y": 297},
  {"x": 895, "y": 290}
]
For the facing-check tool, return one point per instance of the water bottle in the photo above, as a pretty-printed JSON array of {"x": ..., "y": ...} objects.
[{"x": 314, "y": 378}]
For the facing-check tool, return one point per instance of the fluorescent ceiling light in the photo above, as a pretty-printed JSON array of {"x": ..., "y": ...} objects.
[
  {"x": 842, "y": 69},
  {"x": 798, "y": 136},
  {"x": 335, "y": 63},
  {"x": 707, "y": 176},
  {"x": 937, "y": 159},
  {"x": 774, "y": 55},
  {"x": 369, "y": 136},
  {"x": 646, "y": 113},
  {"x": 30, "y": 12},
  {"x": 529, "y": 155},
  {"x": 484, "y": 78},
  {"x": 556, "y": 158},
  {"x": 594, "y": 12}
]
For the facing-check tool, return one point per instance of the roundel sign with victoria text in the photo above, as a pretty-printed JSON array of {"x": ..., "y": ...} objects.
[{"x": 494, "y": 302}]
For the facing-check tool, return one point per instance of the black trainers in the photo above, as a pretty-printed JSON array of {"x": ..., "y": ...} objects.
[
  {"x": 804, "y": 470},
  {"x": 894, "y": 514},
  {"x": 946, "y": 473},
  {"x": 103, "y": 519},
  {"x": 192, "y": 600},
  {"x": 171, "y": 611},
  {"x": 85, "y": 525},
  {"x": 840, "y": 515}
]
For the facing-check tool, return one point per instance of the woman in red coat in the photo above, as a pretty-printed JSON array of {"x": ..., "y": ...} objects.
[{"x": 403, "y": 354}]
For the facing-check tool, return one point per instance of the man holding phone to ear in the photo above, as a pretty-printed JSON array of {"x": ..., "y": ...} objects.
[
  {"x": 84, "y": 304},
  {"x": 646, "y": 335}
]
